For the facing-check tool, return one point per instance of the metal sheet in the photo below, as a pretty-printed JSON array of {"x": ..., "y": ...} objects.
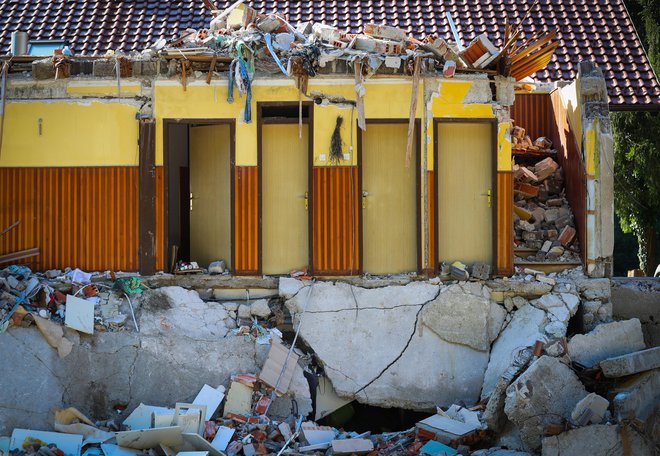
[
  {"x": 83, "y": 217},
  {"x": 246, "y": 220},
  {"x": 336, "y": 220},
  {"x": 504, "y": 247}
]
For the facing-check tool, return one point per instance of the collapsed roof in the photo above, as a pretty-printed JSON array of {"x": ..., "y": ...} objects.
[{"x": 597, "y": 31}]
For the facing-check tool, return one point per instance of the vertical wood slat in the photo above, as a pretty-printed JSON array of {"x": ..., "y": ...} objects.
[
  {"x": 83, "y": 217},
  {"x": 335, "y": 220},
  {"x": 246, "y": 220},
  {"x": 504, "y": 240}
]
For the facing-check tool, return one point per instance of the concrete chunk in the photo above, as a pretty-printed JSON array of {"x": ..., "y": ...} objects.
[
  {"x": 543, "y": 395},
  {"x": 590, "y": 410},
  {"x": 607, "y": 341},
  {"x": 631, "y": 363},
  {"x": 600, "y": 439}
]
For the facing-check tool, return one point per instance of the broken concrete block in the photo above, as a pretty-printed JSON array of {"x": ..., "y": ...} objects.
[
  {"x": 599, "y": 289},
  {"x": 444, "y": 429},
  {"x": 590, "y": 410},
  {"x": 481, "y": 271},
  {"x": 260, "y": 309},
  {"x": 460, "y": 315},
  {"x": 545, "y": 394},
  {"x": 631, "y": 363},
  {"x": 599, "y": 439},
  {"x": 105, "y": 68},
  {"x": 43, "y": 69},
  {"x": 638, "y": 397},
  {"x": 607, "y": 341},
  {"x": 523, "y": 330},
  {"x": 244, "y": 311}
]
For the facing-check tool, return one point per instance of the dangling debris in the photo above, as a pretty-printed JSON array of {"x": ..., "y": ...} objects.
[{"x": 336, "y": 143}]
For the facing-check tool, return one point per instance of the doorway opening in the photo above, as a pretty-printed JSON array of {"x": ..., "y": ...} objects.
[{"x": 199, "y": 165}]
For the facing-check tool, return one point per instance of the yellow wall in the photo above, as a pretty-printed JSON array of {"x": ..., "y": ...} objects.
[
  {"x": 383, "y": 99},
  {"x": 74, "y": 133},
  {"x": 98, "y": 133}
]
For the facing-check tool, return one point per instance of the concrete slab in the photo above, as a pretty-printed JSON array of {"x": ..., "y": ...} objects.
[{"x": 631, "y": 363}]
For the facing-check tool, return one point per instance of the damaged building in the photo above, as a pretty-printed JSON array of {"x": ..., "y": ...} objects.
[{"x": 303, "y": 218}]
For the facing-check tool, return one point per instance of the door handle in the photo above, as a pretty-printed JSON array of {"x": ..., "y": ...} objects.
[
  {"x": 489, "y": 196},
  {"x": 306, "y": 200},
  {"x": 364, "y": 199}
]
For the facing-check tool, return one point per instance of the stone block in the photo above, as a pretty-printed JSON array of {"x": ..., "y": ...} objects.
[
  {"x": 104, "y": 68},
  {"x": 43, "y": 69},
  {"x": 631, "y": 363},
  {"x": 260, "y": 308},
  {"x": 600, "y": 439},
  {"x": 545, "y": 394},
  {"x": 607, "y": 341},
  {"x": 590, "y": 410}
]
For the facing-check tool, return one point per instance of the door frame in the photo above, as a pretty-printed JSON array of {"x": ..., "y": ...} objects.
[
  {"x": 309, "y": 121},
  {"x": 190, "y": 122},
  {"x": 418, "y": 193},
  {"x": 493, "y": 180}
]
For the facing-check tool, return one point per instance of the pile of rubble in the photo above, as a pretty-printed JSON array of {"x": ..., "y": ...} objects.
[
  {"x": 523, "y": 387},
  {"x": 74, "y": 298},
  {"x": 544, "y": 227}
]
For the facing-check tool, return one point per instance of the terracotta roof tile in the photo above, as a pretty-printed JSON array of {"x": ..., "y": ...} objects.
[{"x": 599, "y": 30}]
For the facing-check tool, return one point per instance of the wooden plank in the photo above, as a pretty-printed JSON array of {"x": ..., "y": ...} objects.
[
  {"x": 19, "y": 255},
  {"x": 246, "y": 219}
]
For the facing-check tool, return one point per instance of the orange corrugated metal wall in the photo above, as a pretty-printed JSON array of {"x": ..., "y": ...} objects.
[
  {"x": 504, "y": 228},
  {"x": 335, "y": 223},
  {"x": 246, "y": 220},
  {"x": 569, "y": 157},
  {"x": 533, "y": 112}
]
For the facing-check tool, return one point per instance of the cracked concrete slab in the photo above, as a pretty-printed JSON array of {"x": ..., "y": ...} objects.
[{"x": 401, "y": 364}]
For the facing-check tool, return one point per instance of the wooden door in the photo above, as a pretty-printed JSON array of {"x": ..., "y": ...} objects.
[
  {"x": 210, "y": 194},
  {"x": 285, "y": 226},
  {"x": 465, "y": 186},
  {"x": 389, "y": 201}
]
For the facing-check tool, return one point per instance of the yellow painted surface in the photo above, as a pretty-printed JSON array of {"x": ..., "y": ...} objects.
[
  {"x": 284, "y": 216},
  {"x": 503, "y": 147},
  {"x": 71, "y": 134},
  {"x": 389, "y": 211},
  {"x": 590, "y": 146},
  {"x": 91, "y": 89},
  {"x": 465, "y": 224},
  {"x": 210, "y": 185},
  {"x": 383, "y": 99}
]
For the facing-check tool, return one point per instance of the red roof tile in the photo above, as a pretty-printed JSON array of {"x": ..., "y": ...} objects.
[{"x": 599, "y": 30}]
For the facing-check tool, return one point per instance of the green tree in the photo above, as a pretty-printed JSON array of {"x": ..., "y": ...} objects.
[{"x": 637, "y": 151}]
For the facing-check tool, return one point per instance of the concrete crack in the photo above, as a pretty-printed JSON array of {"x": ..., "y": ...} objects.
[
  {"x": 366, "y": 308},
  {"x": 398, "y": 357}
]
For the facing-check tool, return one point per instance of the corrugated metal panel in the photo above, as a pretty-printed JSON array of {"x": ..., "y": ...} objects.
[
  {"x": 83, "y": 217},
  {"x": 569, "y": 157},
  {"x": 533, "y": 112},
  {"x": 504, "y": 229},
  {"x": 336, "y": 228},
  {"x": 246, "y": 224}
]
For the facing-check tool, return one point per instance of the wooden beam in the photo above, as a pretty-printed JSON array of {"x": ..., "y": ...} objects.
[
  {"x": 211, "y": 70},
  {"x": 10, "y": 257}
]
